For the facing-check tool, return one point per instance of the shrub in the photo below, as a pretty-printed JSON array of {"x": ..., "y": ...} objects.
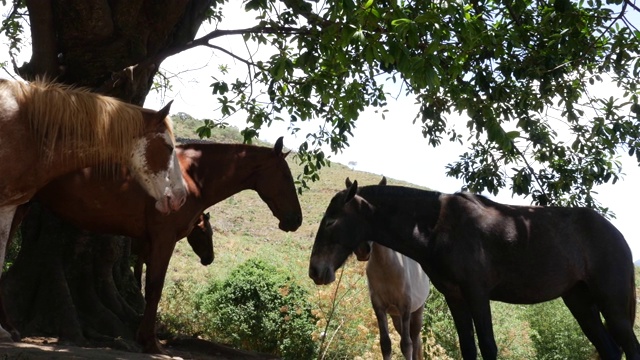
[
  {"x": 438, "y": 324},
  {"x": 178, "y": 313},
  {"x": 259, "y": 308},
  {"x": 556, "y": 334}
]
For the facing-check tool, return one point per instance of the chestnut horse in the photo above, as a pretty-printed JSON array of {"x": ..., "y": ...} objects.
[
  {"x": 399, "y": 287},
  {"x": 47, "y": 130},
  {"x": 213, "y": 172},
  {"x": 200, "y": 239},
  {"x": 475, "y": 250}
]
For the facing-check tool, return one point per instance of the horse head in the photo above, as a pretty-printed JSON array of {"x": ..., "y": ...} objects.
[
  {"x": 342, "y": 229},
  {"x": 363, "y": 251},
  {"x": 201, "y": 239},
  {"x": 154, "y": 162},
  {"x": 276, "y": 187}
]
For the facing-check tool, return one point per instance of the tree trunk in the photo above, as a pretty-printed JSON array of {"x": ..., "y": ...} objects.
[{"x": 66, "y": 282}]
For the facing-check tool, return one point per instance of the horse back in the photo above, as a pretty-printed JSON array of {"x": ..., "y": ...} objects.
[
  {"x": 577, "y": 229},
  {"x": 525, "y": 254}
]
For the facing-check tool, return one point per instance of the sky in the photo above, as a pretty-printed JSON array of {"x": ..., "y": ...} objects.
[{"x": 377, "y": 144}]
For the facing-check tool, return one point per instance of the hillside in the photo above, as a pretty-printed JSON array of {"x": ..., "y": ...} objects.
[{"x": 245, "y": 229}]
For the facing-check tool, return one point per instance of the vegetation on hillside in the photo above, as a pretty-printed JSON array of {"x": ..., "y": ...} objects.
[{"x": 344, "y": 326}]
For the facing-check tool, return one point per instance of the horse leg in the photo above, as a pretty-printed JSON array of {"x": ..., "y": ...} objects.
[
  {"x": 20, "y": 213},
  {"x": 157, "y": 263},
  {"x": 7, "y": 214},
  {"x": 402, "y": 324},
  {"x": 383, "y": 327},
  {"x": 416, "y": 333},
  {"x": 617, "y": 302},
  {"x": 464, "y": 326},
  {"x": 584, "y": 310},
  {"x": 481, "y": 314},
  {"x": 137, "y": 271}
]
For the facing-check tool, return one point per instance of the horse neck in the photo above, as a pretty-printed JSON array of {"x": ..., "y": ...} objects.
[
  {"x": 64, "y": 161},
  {"x": 74, "y": 128},
  {"x": 224, "y": 170},
  {"x": 403, "y": 217}
]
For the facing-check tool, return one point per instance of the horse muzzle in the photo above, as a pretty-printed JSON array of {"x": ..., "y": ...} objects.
[
  {"x": 207, "y": 260},
  {"x": 290, "y": 223},
  {"x": 171, "y": 201},
  {"x": 321, "y": 275},
  {"x": 168, "y": 204},
  {"x": 176, "y": 202}
]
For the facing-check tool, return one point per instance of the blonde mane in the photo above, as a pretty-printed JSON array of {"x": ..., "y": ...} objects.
[{"x": 77, "y": 121}]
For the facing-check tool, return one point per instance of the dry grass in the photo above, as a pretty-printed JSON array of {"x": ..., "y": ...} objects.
[{"x": 244, "y": 228}]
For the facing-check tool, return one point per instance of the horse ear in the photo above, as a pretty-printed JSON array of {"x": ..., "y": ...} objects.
[
  {"x": 383, "y": 181},
  {"x": 278, "y": 146},
  {"x": 207, "y": 216},
  {"x": 164, "y": 112},
  {"x": 351, "y": 192},
  {"x": 347, "y": 182}
]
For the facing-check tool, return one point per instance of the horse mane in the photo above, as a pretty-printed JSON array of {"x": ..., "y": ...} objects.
[
  {"x": 478, "y": 199},
  {"x": 402, "y": 193},
  {"x": 77, "y": 120},
  {"x": 235, "y": 148},
  {"x": 396, "y": 191},
  {"x": 189, "y": 141}
]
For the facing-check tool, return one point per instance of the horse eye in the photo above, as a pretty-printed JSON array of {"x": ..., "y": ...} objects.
[{"x": 330, "y": 222}]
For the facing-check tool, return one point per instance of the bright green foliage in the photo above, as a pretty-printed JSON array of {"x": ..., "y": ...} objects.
[
  {"x": 521, "y": 83},
  {"x": 522, "y": 74},
  {"x": 438, "y": 320},
  {"x": 260, "y": 308},
  {"x": 556, "y": 334}
]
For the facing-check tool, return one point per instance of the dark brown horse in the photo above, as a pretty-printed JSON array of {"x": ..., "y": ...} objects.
[
  {"x": 475, "y": 250},
  {"x": 213, "y": 172},
  {"x": 200, "y": 239}
]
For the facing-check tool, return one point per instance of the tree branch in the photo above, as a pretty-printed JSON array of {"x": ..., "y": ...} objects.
[
  {"x": 247, "y": 62},
  {"x": 633, "y": 6}
]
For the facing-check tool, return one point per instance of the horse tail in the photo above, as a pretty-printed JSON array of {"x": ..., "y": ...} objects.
[{"x": 632, "y": 305}]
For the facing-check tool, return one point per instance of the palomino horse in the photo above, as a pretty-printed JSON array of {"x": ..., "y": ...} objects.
[
  {"x": 200, "y": 239},
  {"x": 56, "y": 129},
  {"x": 213, "y": 172},
  {"x": 475, "y": 250},
  {"x": 399, "y": 287}
]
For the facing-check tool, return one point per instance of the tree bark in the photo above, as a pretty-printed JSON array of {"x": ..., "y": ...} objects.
[{"x": 67, "y": 282}]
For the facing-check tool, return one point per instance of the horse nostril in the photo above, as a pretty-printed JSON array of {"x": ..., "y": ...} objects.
[{"x": 313, "y": 272}]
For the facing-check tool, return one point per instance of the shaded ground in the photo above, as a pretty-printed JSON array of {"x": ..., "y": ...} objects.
[{"x": 48, "y": 348}]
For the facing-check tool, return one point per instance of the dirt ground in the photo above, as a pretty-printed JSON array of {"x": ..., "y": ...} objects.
[{"x": 48, "y": 348}]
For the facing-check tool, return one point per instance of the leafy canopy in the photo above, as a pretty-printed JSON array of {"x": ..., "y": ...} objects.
[{"x": 523, "y": 73}]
